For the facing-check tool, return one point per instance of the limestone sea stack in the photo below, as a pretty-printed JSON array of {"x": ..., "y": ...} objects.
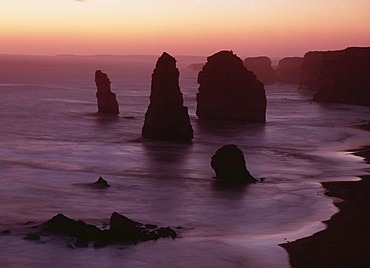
[
  {"x": 228, "y": 91},
  {"x": 166, "y": 117},
  {"x": 261, "y": 67},
  {"x": 345, "y": 77},
  {"x": 107, "y": 102},
  {"x": 229, "y": 165},
  {"x": 288, "y": 70}
]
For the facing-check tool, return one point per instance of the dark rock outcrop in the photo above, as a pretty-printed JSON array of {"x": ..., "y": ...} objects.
[
  {"x": 261, "y": 67},
  {"x": 122, "y": 230},
  {"x": 228, "y": 91},
  {"x": 107, "y": 102},
  {"x": 100, "y": 183},
  {"x": 345, "y": 77},
  {"x": 229, "y": 165},
  {"x": 310, "y": 71},
  {"x": 288, "y": 70},
  {"x": 166, "y": 117}
]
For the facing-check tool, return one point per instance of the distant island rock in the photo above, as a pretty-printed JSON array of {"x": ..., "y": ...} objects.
[
  {"x": 261, "y": 67},
  {"x": 229, "y": 165},
  {"x": 195, "y": 66},
  {"x": 121, "y": 230},
  {"x": 345, "y": 77},
  {"x": 166, "y": 117},
  {"x": 288, "y": 70},
  {"x": 107, "y": 102},
  {"x": 228, "y": 91}
]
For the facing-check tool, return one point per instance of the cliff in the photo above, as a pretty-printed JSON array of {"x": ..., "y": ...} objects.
[
  {"x": 345, "y": 77},
  {"x": 166, "y": 117},
  {"x": 228, "y": 91},
  {"x": 261, "y": 67},
  {"x": 288, "y": 70},
  {"x": 107, "y": 102},
  {"x": 310, "y": 71}
]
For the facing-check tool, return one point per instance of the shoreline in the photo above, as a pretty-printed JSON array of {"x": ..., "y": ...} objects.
[{"x": 346, "y": 240}]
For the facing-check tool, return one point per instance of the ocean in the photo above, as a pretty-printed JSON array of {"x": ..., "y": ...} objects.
[{"x": 53, "y": 144}]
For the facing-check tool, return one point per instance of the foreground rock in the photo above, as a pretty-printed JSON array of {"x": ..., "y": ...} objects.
[
  {"x": 122, "y": 230},
  {"x": 228, "y": 91},
  {"x": 261, "y": 67},
  {"x": 288, "y": 70},
  {"x": 166, "y": 117},
  {"x": 107, "y": 102},
  {"x": 229, "y": 165}
]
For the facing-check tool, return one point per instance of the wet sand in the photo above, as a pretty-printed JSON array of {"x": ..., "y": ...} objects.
[{"x": 346, "y": 241}]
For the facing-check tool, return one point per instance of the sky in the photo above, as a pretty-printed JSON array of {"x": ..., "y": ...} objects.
[{"x": 275, "y": 28}]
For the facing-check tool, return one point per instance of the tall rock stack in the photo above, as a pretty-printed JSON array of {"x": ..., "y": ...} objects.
[
  {"x": 228, "y": 91},
  {"x": 166, "y": 117},
  {"x": 107, "y": 102},
  {"x": 261, "y": 67}
]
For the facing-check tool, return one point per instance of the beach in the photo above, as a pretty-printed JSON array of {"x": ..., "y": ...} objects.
[{"x": 345, "y": 241}]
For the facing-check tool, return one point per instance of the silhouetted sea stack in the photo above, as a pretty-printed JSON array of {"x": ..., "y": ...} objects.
[
  {"x": 166, "y": 117},
  {"x": 229, "y": 165},
  {"x": 345, "y": 77},
  {"x": 107, "y": 103},
  {"x": 261, "y": 67},
  {"x": 228, "y": 91},
  {"x": 289, "y": 69}
]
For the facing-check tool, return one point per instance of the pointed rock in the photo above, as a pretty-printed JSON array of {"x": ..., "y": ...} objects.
[{"x": 166, "y": 117}]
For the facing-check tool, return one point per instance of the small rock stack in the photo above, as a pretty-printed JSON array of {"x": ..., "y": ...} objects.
[{"x": 107, "y": 102}]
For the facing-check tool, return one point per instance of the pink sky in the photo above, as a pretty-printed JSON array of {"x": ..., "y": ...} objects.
[{"x": 274, "y": 28}]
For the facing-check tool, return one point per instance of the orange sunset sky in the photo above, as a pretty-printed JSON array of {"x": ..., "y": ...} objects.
[{"x": 274, "y": 28}]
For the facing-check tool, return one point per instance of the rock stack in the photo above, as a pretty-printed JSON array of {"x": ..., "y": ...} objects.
[
  {"x": 166, "y": 117},
  {"x": 229, "y": 165},
  {"x": 289, "y": 70},
  {"x": 228, "y": 91},
  {"x": 107, "y": 102},
  {"x": 261, "y": 67}
]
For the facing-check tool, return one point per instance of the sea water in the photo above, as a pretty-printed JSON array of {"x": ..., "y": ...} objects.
[{"x": 52, "y": 144}]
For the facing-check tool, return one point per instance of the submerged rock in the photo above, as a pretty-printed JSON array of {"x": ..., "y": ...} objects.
[
  {"x": 261, "y": 67},
  {"x": 228, "y": 91},
  {"x": 229, "y": 165},
  {"x": 122, "y": 230},
  {"x": 100, "y": 183},
  {"x": 166, "y": 117},
  {"x": 107, "y": 102}
]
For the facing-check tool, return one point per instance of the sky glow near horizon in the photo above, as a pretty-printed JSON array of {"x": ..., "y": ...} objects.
[{"x": 182, "y": 27}]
